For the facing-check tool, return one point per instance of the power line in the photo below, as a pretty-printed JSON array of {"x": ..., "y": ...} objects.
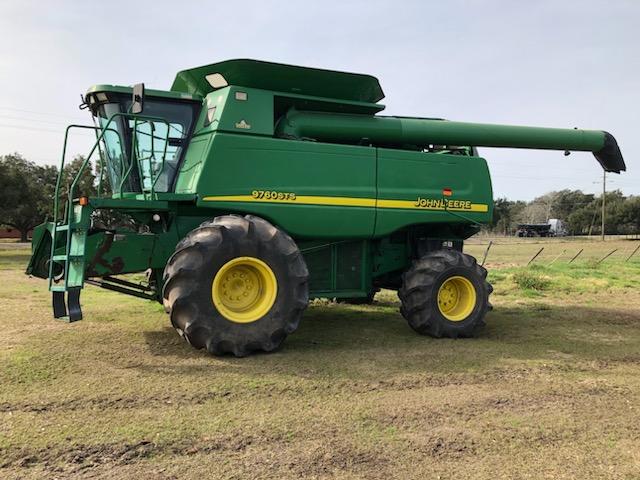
[
  {"x": 546, "y": 179},
  {"x": 527, "y": 164},
  {"x": 23, "y": 119},
  {"x": 34, "y": 112},
  {"x": 22, "y": 127}
]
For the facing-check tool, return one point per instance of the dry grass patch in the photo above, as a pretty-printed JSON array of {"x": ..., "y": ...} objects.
[{"x": 550, "y": 389}]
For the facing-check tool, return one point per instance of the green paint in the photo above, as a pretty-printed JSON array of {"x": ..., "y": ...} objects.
[
  {"x": 362, "y": 194},
  {"x": 282, "y": 78},
  {"x": 239, "y": 164},
  {"x": 423, "y": 132}
]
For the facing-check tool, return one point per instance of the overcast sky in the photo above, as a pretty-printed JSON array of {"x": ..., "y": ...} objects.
[{"x": 547, "y": 63}]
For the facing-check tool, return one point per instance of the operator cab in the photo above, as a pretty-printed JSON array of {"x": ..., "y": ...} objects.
[{"x": 142, "y": 152}]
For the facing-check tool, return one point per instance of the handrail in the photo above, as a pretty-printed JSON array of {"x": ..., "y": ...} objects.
[
  {"x": 152, "y": 156},
  {"x": 133, "y": 145},
  {"x": 67, "y": 215},
  {"x": 134, "y": 157},
  {"x": 56, "y": 205}
]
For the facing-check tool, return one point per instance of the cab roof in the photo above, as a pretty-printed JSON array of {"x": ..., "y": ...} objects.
[
  {"x": 278, "y": 77},
  {"x": 150, "y": 92}
]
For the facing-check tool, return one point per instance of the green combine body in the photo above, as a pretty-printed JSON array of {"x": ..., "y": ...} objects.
[{"x": 250, "y": 187}]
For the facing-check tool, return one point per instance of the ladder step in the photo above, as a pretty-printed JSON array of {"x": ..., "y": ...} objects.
[
  {"x": 62, "y": 228},
  {"x": 66, "y": 257},
  {"x": 62, "y": 288}
]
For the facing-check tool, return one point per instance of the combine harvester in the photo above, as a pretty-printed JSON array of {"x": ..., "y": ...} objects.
[{"x": 251, "y": 187}]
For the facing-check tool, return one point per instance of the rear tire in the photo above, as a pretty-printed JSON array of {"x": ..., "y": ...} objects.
[
  {"x": 445, "y": 294},
  {"x": 236, "y": 285}
]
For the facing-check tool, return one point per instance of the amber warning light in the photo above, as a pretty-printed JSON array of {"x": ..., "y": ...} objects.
[
  {"x": 447, "y": 192},
  {"x": 84, "y": 201}
]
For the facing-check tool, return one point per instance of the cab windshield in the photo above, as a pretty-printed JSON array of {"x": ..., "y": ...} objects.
[{"x": 159, "y": 143}]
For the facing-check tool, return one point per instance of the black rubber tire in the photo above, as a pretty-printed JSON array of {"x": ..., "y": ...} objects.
[
  {"x": 190, "y": 271},
  {"x": 419, "y": 294}
]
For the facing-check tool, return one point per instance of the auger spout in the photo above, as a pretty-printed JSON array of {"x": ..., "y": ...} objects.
[{"x": 391, "y": 131}]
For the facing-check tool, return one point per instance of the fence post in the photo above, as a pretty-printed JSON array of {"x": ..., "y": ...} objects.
[
  {"x": 535, "y": 256},
  {"x": 607, "y": 256},
  {"x": 632, "y": 253},
  {"x": 486, "y": 252},
  {"x": 563, "y": 252},
  {"x": 576, "y": 255}
]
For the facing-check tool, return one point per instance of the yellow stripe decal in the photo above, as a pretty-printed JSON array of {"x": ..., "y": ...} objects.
[
  {"x": 429, "y": 204},
  {"x": 419, "y": 204},
  {"x": 299, "y": 200}
]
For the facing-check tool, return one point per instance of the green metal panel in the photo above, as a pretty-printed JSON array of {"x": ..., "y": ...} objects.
[
  {"x": 321, "y": 269},
  {"x": 388, "y": 256},
  {"x": 37, "y": 237},
  {"x": 252, "y": 111},
  {"x": 41, "y": 250},
  {"x": 118, "y": 253},
  {"x": 394, "y": 131},
  {"x": 68, "y": 247},
  {"x": 303, "y": 148},
  {"x": 192, "y": 164},
  {"x": 115, "y": 253},
  {"x": 281, "y": 78},
  {"x": 323, "y": 104},
  {"x": 311, "y": 190},
  {"x": 246, "y": 110},
  {"x": 350, "y": 262},
  {"x": 411, "y": 184},
  {"x": 150, "y": 92},
  {"x": 330, "y": 127},
  {"x": 338, "y": 270},
  {"x": 134, "y": 203}
]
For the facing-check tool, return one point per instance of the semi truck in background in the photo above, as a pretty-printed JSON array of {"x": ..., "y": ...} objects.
[{"x": 553, "y": 228}]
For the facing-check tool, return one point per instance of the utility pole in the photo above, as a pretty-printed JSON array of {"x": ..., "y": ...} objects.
[{"x": 604, "y": 194}]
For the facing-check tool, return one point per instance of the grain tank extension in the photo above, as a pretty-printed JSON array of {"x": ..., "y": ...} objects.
[{"x": 250, "y": 187}]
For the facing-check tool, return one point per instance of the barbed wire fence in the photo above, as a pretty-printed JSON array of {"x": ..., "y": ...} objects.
[{"x": 493, "y": 251}]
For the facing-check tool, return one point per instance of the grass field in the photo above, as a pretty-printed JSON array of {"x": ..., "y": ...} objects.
[{"x": 550, "y": 388}]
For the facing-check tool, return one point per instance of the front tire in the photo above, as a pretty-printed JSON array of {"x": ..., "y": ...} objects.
[
  {"x": 236, "y": 285},
  {"x": 445, "y": 294}
]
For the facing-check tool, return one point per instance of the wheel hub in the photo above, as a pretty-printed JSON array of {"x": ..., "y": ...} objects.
[
  {"x": 456, "y": 298},
  {"x": 244, "y": 289}
]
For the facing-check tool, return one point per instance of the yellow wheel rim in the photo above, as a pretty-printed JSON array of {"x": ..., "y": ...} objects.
[
  {"x": 456, "y": 298},
  {"x": 244, "y": 289}
]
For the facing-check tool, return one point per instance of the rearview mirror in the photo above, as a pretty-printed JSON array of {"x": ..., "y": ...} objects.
[{"x": 137, "y": 103}]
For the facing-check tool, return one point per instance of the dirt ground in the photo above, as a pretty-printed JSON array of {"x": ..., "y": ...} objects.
[{"x": 549, "y": 389}]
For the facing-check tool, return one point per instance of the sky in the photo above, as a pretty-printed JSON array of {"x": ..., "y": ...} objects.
[{"x": 570, "y": 63}]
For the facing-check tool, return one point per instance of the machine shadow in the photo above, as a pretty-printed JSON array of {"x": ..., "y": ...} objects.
[{"x": 340, "y": 340}]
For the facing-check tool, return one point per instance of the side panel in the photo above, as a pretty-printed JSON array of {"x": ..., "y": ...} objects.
[
  {"x": 338, "y": 270},
  {"x": 192, "y": 163},
  {"x": 311, "y": 190},
  {"x": 411, "y": 185}
]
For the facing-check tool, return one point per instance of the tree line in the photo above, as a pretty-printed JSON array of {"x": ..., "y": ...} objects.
[
  {"x": 581, "y": 212},
  {"x": 27, "y": 190}
]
